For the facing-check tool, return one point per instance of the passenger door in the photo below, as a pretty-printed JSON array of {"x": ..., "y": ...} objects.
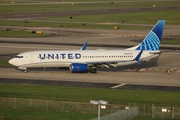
[{"x": 31, "y": 59}]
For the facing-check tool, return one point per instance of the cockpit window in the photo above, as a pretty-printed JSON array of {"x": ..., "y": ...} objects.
[{"x": 18, "y": 57}]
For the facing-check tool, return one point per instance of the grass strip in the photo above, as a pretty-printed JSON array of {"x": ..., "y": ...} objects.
[
  {"x": 76, "y": 94},
  {"x": 70, "y": 24},
  {"x": 143, "y": 118},
  {"x": 172, "y": 41},
  {"x": 171, "y": 17},
  {"x": 4, "y": 63},
  {"x": 108, "y": 20},
  {"x": 22, "y": 114},
  {"x": 20, "y": 33},
  {"x": 32, "y": 8}
]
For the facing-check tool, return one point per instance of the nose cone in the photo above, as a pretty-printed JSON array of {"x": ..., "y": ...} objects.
[{"x": 12, "y": 61}]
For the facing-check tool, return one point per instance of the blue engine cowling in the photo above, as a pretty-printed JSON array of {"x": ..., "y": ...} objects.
[{"x": 78, "y": 67}]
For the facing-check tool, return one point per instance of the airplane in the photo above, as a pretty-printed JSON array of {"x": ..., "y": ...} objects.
[{"x": 81, "y": 61}]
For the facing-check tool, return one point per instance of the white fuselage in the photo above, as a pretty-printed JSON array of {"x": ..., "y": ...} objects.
[{"x": 59, "y": 58}]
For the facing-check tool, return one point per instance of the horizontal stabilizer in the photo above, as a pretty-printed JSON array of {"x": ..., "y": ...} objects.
[{"x": 155, "y": 52}]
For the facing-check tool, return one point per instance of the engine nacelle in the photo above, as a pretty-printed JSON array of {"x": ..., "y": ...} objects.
[{"x": 78, "y": 67}]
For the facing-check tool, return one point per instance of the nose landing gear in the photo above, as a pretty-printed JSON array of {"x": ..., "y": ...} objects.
[{"x": 26, "y": 71}]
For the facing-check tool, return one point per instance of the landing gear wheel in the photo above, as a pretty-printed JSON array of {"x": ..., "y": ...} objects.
[
  {"x": 93, "y": 70},
  {"x": 26, "y": 71}
]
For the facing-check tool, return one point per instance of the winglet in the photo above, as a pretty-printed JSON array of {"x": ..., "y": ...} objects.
[
  {"x": 84, "y": 46},
  {"x": 138, "y": 57}
]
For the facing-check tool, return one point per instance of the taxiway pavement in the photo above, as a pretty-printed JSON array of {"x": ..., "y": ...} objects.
[{"x": 154, "y": 75}]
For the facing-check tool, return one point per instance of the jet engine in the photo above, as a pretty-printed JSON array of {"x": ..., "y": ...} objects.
[{"x": 78, "y": 68}]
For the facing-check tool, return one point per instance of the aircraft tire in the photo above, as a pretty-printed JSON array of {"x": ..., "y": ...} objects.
[{"x": 94, "y": 71}]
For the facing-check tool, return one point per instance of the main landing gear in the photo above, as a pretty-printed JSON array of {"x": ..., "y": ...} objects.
[{"x": 93, "y": 70}]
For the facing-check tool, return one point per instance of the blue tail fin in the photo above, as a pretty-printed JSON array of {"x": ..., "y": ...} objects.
[{"x": 153, "y": 39}]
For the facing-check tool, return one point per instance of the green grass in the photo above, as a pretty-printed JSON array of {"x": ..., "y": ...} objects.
[
  {"x": 53, "y": 7},
  {"x": 75, "y": 94},
  {"x": 4, "y": 63},
  {"x": 22, "y": 114},
  {"x": 176, "y": 41},
  {"x": 58, "y": 93},
  {"x": 92, "y": 20},
  {"x": 70, "y": 24},
  {"x": 142, "y": 118},
  {"x": 171, "y": 17},
  {"x": 20, "y": 33},
  {"x": 17, "y": 8}
]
